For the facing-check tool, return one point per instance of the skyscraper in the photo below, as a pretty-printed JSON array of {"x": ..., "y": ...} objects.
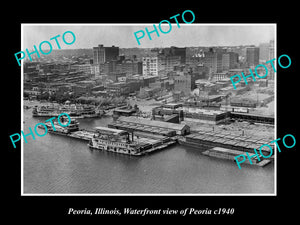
[
  {"x": 174, "y": 51},
  {"x": 252, "y": 56},
  {"x": 264, "y": 51},
  {"x": 103, "y": 54},
  {"x": 271, "y": 50},
  {"x": 270, "y": 57},
  {"x": 213, "y": 61},
  {"x": 150, "y": 66},
  {"x": 167, "y": 63},
  {"x": 229, "y": 60}
]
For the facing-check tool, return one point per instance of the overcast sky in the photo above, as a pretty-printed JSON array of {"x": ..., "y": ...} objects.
[{"x": 88, "y": 36}]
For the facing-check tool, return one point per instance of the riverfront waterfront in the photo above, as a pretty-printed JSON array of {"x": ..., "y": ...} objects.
[
  {"x": 162, "y": 84},
  {"x": 56, "y": 164}
]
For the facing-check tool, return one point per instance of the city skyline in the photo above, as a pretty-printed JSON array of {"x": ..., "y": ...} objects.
[{"x": 204, "y": 35}]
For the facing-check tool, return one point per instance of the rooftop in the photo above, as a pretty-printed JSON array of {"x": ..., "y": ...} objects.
[
  {"x": 153, "y": 123},
  {"x": 109, "y": 130}
]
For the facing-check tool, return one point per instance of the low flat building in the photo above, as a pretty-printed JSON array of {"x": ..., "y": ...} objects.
[
  {"x": 133, "y": 124},
  {"x": 124, "y": 111},
  {"x": 168, "y": 110},
  {"x": 204, "y": 115}
]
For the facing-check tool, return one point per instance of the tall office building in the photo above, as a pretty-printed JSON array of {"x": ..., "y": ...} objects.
[
  {"x": 174, "y": 51},
  {"x": 229, "y": 60},
  {"x": 150, "y": 66},
  {"x": 213, "y": 61},
  {"x": 131, "y": 67},
  {"x": 125, "y": 66},
  {"x": 264, "y": 51},
  {"x": 167, "y": 63},
  {"x": 271, "y": 50},
  {"x": 252, "y": 56},
  {"x": 185, "y": 82},
  {"x": 219, "y": 60},
  {"x": 271, "y": 56},
  {"x": 103, "y": 54}
]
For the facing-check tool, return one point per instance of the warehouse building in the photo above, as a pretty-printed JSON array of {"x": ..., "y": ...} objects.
[{"x": 133, "y": 124}]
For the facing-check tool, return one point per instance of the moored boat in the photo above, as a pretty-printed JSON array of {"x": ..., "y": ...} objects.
[
  {"x": 230, "y": 154},
  {"x": 78, "y": 111},
  {"x": 115, "y": 140},
  {"x": 64, "y": 127}
]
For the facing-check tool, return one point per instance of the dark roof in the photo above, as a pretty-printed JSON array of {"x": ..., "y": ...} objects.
[{"x": 153, "y": 123}]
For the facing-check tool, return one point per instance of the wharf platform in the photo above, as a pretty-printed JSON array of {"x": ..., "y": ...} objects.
[
  {"x": 209, "y": 139},
  {"x": 158, "y": 142},
  {"x": 155, "y": 142},
  {"x": 86, "y": 135}
]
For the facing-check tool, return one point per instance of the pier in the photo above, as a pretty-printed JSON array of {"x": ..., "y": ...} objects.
[
  {"x": 150, "y": 135},
  {"x": 150, "y": 142},
  {"x": 224, "y": 139}
]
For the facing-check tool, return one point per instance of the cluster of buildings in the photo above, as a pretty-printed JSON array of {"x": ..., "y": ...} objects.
[
  {"x": 106, "y": 72},
  {"x": 108, "y": 61}
]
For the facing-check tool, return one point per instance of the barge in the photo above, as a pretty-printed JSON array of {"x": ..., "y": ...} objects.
[
  {"x": 112, "y": 140},
  {"x": 230, "y": 154},
  {"x": 64, "y": 128},
  {"x": 210, "y": 139}
]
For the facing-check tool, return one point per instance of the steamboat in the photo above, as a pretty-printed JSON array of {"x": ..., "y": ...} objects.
[
  {"x": 109, "y": 139},
  {"x": 64, "y": 127},
  {"x": 76, "y": 111},
  {"x": 121, "y": 141}
]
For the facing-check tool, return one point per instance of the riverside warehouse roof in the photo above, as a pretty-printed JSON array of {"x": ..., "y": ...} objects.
[
  {"x": 228, "y": 138},
  {"x": 154, "y": 125},
  {"x": 109, "y": 130}
]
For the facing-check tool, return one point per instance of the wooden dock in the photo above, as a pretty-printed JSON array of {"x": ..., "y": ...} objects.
[{"x": 157, "y": 142}]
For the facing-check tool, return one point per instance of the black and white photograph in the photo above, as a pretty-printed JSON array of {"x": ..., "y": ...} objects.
[
  {"x": 150, "y": 111},
  {"x": 180, "y": 109}
]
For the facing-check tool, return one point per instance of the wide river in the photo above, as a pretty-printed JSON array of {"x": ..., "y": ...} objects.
[{"x": 56, "y": 164}]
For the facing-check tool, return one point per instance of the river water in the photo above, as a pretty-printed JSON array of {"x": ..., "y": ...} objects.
[{"x": 56, "y": 164}]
